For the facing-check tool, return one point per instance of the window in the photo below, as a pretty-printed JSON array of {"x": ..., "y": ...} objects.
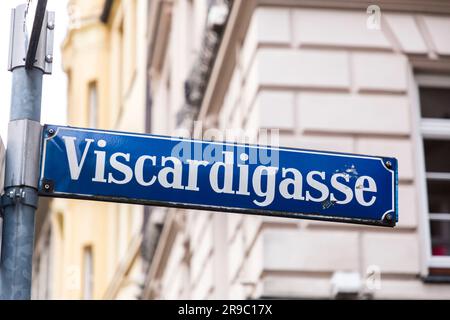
[
  {"x": 42, "y": 268},
  {"x": 121, "y": 69},
  {"x": 434, "y": 91},
  {"x": 437, "y": 162},
  {"x": 93, "y": 105},
  {"x": 88, "y": 273},
  {"x": 131, "y": 32}
]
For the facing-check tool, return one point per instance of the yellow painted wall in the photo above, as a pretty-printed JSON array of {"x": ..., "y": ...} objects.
[{"x": 107, "y": 54}]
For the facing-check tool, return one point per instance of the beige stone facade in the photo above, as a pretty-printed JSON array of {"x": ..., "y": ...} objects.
[
  {"x": 91, "y": 250},
  {"x": 329, "y": 75},
  {"x": 317, "y": 72}
]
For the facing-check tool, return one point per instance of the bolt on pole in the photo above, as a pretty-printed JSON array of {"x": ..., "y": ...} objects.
[{"x": 28, "y": 61}]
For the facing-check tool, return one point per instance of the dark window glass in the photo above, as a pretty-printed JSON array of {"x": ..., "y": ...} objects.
[
  {"x": 435, "y": 102},
  {"x": 440, "y": 238},
  {"x": 439, "y": 196},
  {"x": 437, "y": 155}
]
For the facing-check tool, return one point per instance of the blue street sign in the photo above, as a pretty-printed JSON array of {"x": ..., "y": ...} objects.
[{"x": 176, "y": 172}]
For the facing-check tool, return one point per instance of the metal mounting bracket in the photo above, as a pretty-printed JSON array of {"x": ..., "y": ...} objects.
[
  {"x": 19, "y": 41},
  {"x": 22, "y": 195},
  {"x": 23, "y": 143}
]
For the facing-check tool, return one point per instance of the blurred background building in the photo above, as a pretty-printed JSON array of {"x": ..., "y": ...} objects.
[{"x": 330, "y": 75}]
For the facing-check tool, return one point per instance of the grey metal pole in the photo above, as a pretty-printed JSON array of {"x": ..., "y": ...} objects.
[
  {"x": 21, "y": 200},
  {"x": 22, "y": 157}
]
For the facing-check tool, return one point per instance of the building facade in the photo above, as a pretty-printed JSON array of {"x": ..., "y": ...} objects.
[
  {"x": 326, "y": 75},
  {"x": 330, "y": 76},
  {"x": 91, "y": 250}
]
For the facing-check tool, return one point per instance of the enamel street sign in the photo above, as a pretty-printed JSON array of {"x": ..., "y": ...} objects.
[{"x": 175, "y": 172}]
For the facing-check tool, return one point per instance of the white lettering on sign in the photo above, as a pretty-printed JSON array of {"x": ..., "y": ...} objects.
[
  {"x": 263, "y": 180},
  {"x": 75, "y": 166}
]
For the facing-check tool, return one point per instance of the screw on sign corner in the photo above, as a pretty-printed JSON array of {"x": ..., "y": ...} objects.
[
  {"x": 47, "y": 186},
  {"x": 51, "y": 132},
  {"x": 389, "y": 219},
  {"x": 388, "y": 164}
]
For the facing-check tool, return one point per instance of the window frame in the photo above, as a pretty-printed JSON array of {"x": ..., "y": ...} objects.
[
  {"x": 436, "y": 129},
  {"x": 93, "y": 104},
  {"x": 88, "y": 273}
]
